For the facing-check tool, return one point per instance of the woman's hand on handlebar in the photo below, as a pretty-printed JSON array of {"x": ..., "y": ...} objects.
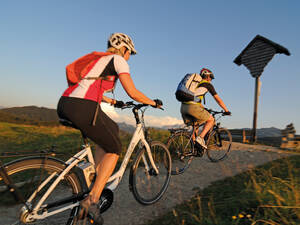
[
  {"x": 119, "y": 104},
  {"x": 158, "y": 103},
  {"x": 131, "y": 104},
  {"x": 227, "y": 113}
]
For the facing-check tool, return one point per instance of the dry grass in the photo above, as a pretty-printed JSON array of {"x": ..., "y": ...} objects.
[{"x": 265, "y": 195}]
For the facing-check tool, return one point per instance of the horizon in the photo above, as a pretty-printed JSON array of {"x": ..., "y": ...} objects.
[{"x": 130, "y": 121}]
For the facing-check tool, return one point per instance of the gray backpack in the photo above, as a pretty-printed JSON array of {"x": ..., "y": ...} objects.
[{"x": 187, "y": 87}]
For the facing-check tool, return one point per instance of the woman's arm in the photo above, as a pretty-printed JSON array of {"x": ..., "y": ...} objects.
[
  {"x": 108, "y": 100},
  {"x": 132, "y": 92}
]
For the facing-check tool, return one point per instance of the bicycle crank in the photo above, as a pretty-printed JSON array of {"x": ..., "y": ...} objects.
[{"x": 106, "y": 200}]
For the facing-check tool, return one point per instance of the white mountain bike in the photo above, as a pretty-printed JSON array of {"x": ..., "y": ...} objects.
[{"x": 49, "y": 190}]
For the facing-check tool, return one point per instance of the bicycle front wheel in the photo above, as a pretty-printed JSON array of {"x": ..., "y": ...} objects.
[
  {"x": 147, "y": 184},
  {"x": 219, "y": 144},
  {"x": 181, "y": 148},
  {"x": 27, "y": 174}
]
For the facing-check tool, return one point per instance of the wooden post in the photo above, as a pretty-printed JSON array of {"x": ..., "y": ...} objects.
[
  {"x": 257, "y": 92},
  {"x": 244, "y": 136}
]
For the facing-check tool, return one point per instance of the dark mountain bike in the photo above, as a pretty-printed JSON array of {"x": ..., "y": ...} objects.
[{"x": 183, "y": 150}]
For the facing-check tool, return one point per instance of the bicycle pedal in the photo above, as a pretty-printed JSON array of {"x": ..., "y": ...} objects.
[
  {"x": 106, "y": 200},
  {"x": 92, "y": 221},
  {"x": 199, "y": 152}
]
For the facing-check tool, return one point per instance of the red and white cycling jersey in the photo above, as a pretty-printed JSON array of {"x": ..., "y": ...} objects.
[{"x": 108, "y": 67}]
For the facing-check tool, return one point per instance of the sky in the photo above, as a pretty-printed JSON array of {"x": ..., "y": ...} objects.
[{"x": 40, "y": 37}]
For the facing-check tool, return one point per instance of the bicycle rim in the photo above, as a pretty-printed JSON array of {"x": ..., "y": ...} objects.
[
  {"x": 181, "y": 148},
  {"x": 147, "y": 186},
  {"x": 27, "y": 174},
  {"x": 219, "y": 144}
]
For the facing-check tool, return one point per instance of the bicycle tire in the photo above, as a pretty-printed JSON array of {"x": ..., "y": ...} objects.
[
  {"x": 181, "y": 148},
  {"x": 27, "y": 174},
  {"x": 145, "y": 184},
  {"x": 218, "y": 144}
]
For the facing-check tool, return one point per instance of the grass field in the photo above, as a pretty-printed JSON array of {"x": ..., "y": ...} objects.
[
  {"x": 268, "y": 194},
  {"x": 19, "y": 138}
]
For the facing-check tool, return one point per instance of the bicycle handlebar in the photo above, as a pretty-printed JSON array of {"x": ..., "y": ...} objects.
[
  {"x": 213, "y": 112},
  {"x": 133, "y": 105},
  {"x": 135, "y": 108}
]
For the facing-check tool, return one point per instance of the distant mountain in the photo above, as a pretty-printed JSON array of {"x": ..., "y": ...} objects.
[
  {"x": 40, "y": 116},
  {"x": 2, "y": 107},
  {"x": 29, "y": 115},
  {"x": 44, "y": 116},
  {"x": 269, "y": 132},
  {"x": 265, "y": 132},
  {"x": 172, "y": 126},
  {"x": 33, "y": 113},
  {"x": 262, "y": 132},
  {"x": 126, "y": 127}
]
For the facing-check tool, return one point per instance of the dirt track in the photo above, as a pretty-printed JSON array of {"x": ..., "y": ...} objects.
[{"x": 127, "y": 211}]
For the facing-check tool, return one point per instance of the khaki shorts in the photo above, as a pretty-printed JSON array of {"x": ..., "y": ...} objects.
[{"x": 193, "y": 113}]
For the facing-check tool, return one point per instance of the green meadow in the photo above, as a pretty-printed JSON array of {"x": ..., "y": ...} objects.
[
  {"x": 23, "y": 139},
  {"x": 269, "y": 194}
]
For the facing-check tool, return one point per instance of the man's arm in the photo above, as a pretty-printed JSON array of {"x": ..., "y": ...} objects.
[{"x": 220, "y": 102}]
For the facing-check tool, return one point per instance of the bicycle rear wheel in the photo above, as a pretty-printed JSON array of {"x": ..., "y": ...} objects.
[
  {"x": 27, "y": 174},
  {"x": 181, "y": 148},
  {"x": 147, "y": 185},
  {"x": 218, "y": 144}
]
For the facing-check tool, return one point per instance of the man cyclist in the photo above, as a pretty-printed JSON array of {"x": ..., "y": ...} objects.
[
  {"x": 78, "y": 105},
  {"x": 193, "y": 111}
]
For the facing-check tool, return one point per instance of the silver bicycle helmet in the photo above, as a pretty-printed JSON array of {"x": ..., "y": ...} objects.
[{"x": 118, "y": 40}]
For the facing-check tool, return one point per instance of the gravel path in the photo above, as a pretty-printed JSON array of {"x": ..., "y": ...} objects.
[{"x": 127, "y": 211}]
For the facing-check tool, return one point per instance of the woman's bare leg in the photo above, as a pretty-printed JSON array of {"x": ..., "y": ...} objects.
[{"x": 105, "y": 164}]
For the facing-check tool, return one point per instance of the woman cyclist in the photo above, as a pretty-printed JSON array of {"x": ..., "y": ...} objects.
[{"x": 78, "y": 104}]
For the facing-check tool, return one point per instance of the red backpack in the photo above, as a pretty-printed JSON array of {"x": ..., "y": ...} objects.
[{"x": 80, "y": 67}]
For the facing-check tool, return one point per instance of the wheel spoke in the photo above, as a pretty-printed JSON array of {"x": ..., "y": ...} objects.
[
  {"x": 181, "y": 148},
  {"x": 149, "y": 188},
  {"x": 27, "y": 174},
  {"x": 219, "y": 144}
]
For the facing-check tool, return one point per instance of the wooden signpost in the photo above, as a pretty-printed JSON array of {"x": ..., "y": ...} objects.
[{"x": 255, "y": 57}]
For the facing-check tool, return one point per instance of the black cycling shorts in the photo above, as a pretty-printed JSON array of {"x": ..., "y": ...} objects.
[{"x": 81, "y": 113}]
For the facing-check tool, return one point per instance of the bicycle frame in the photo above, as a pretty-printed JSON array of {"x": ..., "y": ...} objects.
[
  {"x": 195, "y": 127},
  {"x": 114, "y": 180},
  {"x": 10, "y": 185}
]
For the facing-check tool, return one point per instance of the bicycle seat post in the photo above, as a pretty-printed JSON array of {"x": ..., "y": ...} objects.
[
  {"x": 68, "y": 123},
  {"x": 84, "y": 138}
]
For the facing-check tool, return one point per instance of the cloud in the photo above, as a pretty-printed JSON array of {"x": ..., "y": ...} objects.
[
  {"x": 152, "y": 121},
  {"x": 162, "y": 121}
]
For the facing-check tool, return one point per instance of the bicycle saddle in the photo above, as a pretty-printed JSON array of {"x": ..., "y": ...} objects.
[{"x": 67, "y": 123}]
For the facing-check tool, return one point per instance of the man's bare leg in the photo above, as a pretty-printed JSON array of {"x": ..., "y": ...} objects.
[{"x": 208, "y": 125}]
